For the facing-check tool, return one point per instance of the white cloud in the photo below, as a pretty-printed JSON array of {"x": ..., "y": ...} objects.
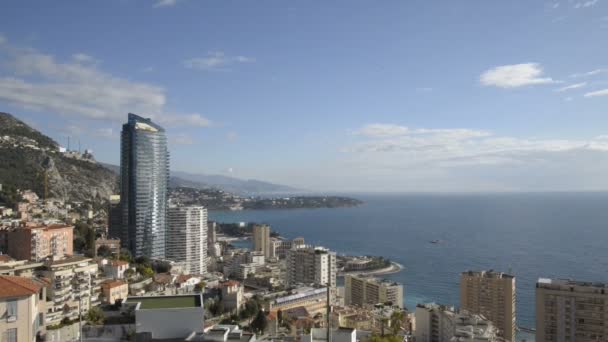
[
  {"x": 572, "y": 86},
  {"x": 105, "y": 133},
  {"x": 187, "y": 120},
  {"x": 391, "y": 130},
  {"x": 165, "y": 3},
  {"x": 215, "y": 60},
  {"x": 589, "y": 73},
  {"x": 2, "y": 39},
  {"x": 80, "y": 89},
  {"x": 83, "y": 58},
  {"x": 423, "y": 145},
  {"x": 555, "y": 5},
  {"x": 603, "y": 92},
  {"x": 181, "y": 139},
  {"x": 585, "y": 4},
  {"x": 232, "y": 136},
  {"x": 516, "y": 75},
  {"x": 382, "y": 130}
]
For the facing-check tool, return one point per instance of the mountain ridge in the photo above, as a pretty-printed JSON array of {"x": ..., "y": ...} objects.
[{"x": 225, "y": 183}]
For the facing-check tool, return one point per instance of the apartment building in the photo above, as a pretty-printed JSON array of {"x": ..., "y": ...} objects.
[
  {"x": 311, "y": 265},
  {"x": 187, "y": 238},
  {"x": 491, "y": 294},
  {"x": 440, "y": 323},
  {"x": 112, "y": 244},
  {"x": 114, "y": 290},
  {"x": 362, "y": 291},
  {"x": 261, "y": 240},
  {"x": 279, "y": 247},
  {"x": 233, "y": 296},
  {"x": 75, "y": 282},
  {"x": 240, "y": 265},
  {"x": 22, "y": 309},
  {"x": 40, "y": 242},
  {"x": 568, "y": 310}
]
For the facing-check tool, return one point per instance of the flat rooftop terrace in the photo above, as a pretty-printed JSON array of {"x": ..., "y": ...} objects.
[{"x": 166, "y": 302}]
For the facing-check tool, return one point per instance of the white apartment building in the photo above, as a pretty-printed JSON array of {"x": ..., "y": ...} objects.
[
  {"x": 240, "y": 265},
  {"x": 75, "y": 282},
  {"x": 440, "y": 323},
  {"x": 362, "y": 291},
  {"x": 311, "y": 265},
  {"x": 279, "y": 247},
  {"x": 568, "y": 310},
  {"x": 187, "y": 238}
]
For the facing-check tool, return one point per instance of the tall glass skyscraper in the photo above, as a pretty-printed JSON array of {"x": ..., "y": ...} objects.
[{"x": 144, "y": 177}]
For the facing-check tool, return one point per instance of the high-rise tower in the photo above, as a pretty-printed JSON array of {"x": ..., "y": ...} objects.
[{"x": 144, "y": 177}]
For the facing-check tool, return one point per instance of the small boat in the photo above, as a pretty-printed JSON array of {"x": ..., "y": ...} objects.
[{"x": 435, "y": 241}]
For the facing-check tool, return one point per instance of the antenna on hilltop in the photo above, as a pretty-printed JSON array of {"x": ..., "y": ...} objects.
[{"x": 68, "y": 143}]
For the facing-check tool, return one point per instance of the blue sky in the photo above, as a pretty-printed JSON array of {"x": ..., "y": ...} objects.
[{"x": 339, "y": 96}]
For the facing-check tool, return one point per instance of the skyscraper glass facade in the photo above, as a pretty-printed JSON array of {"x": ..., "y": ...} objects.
[{"x": 144, "y": 175}]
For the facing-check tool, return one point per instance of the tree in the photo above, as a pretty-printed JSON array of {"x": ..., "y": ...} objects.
[
  {"x": 388, "y": 338},
  {"x": 200, "y": 286},
  {"x": 143, "y": 260},
  {"x": 145, "y": 271},
  {"x": 104, "y": 251},
  {"x": 95, "y": 316},
  {"x": 160, "y": 266},
  {"x": 383, "y": 320},
  {"x": 125, "y": 255},
  {"x": 280, "y": 316},
  {"x": 260, "y": 323},
  {"x": 396, "y": 320},
  {"x": 129, "y": 273}
]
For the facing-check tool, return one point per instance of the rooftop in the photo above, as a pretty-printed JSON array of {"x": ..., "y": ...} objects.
[
  {"x": 488, "y": 274},
  {"x": 69, "y": 260},
  {"x": 167, "y": 302},
  {"x": 113, "y": 283},
  {"x": 570, "y": 282},
  {"x": 11, "y": 286}
]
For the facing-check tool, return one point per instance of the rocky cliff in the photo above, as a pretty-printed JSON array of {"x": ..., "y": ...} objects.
[{"x": 28, "y": 157}]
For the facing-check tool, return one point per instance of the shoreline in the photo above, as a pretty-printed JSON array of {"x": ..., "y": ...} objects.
[{"x": 392, "y": 269}]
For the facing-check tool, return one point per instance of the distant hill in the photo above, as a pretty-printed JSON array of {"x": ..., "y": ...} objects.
[
  {"x": 26, "y": 153},
  {"x": 236, "y": 185},
  {"x": 181, "y": 179}
]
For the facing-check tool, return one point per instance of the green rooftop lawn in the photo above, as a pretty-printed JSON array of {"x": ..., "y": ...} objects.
[{"x": 167, "y": 302}]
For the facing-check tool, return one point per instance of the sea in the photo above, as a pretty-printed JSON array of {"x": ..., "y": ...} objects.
[{"x": 531, "y": 235}]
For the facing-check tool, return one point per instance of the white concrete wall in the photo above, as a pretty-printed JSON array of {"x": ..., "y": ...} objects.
[{"x": 169, "y": 323}]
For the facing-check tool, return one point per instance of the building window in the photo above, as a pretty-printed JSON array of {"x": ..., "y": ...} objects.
[
  {"x": 10, "y": 335},
  {"x": 11, "y": 309}
]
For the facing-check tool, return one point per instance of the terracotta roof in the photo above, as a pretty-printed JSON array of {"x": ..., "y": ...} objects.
[
  {"x": 52, "y": 226},
  {"x": 113, "y": 283},
  {"x": 163, "y": 278},
  {"x": 11, "y": 286},
  {"x": 231, "y": 283},
  {"x": 119, "y": 263},
  {"x": 182, "y": 278},
  {"x": 5, "y": 258},
  {"x": 272, "y": 315}
]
